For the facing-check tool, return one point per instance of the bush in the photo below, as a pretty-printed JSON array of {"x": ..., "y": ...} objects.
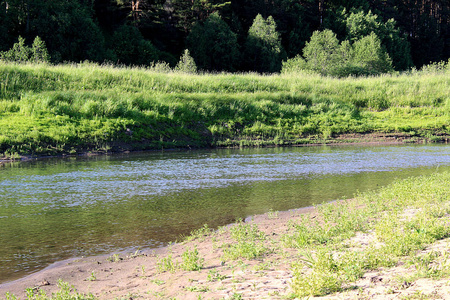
[{"x": 294, "y": 65}]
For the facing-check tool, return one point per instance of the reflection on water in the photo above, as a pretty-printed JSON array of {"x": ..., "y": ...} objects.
[{"x": 56, "y": 209}]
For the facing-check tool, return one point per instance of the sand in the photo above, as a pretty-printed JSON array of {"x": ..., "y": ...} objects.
[{"x": 136, "y": 275}]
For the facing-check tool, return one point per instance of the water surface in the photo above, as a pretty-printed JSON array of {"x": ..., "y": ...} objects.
[{"x": 60, "y": 208}]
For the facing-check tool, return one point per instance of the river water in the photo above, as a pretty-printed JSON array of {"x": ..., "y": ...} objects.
[{"x": 56, "y": 209}]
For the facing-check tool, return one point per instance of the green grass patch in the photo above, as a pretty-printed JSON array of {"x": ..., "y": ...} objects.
[
  {"x": 70, "y": 108},
  {"x": 401, "y": 219}
]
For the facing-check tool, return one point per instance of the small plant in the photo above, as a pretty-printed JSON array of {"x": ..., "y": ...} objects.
[
  {"x": 66, "y": 292},
  {"x": 167, "y": 264},
  {"x": 191, "y": 260},
  {"x": 160, "y": 67},
  {"x": 114, "y": 258},
  {"x": 236, "y": 296},
  {"x": 158, "y": 281},
  {"x": 248, "y": 242},
  {"x": 93, "y": 277},
  {"x": 186, "y": 63},
  {"x": 272, "y": 214},
  {"x": 20, "y": 52},
  {"x": 214, "y": 275},
  {"x": 143, "y": 270},
  {"x": 196, "y": 288},
  {"x": 135, "y": 254},
  {"x": 199, "y": 233}
]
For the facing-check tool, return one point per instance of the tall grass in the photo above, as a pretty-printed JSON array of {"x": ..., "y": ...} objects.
[{"x": 70, "y": 108}]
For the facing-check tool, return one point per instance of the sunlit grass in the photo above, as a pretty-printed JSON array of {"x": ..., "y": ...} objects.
[
  {"x": 402, "y": 219},
  {"x": 81, "y": 107}
]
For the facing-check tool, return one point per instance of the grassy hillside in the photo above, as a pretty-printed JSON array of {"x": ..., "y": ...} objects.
[{"x": 48, "y": 109}]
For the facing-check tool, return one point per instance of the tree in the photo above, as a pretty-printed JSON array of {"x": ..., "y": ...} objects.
[
  {"x": 213, "y": 45},
  {"x": 67, "y": 27},
  {"x": 186, "y": 63},
  {"x": 263, "y": 50},
  {"x": 130, "y": 47},
  {"x": 362, "y": 24},
  {"x": 4, "y": 36},
  {"x": 20, "y": 52},
  {"x": 369, "y": 55},
  {"x": 188, "y": 13},
  {"x": 325, "y": 55},
  {"x": 321, "y": 52},
  {"x": 39, "y": 51}
]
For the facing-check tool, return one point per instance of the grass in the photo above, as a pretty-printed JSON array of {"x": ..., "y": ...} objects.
[
  {"x": 66, "y": 292},
  {"x": 47, "y": 109},
  {"x": 190, "y": 261},
  {"x": 248, "y": 242},
  {"x": 403, "y": 218}
]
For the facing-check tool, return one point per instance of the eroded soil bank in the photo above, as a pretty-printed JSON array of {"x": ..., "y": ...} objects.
[{"x": 338, "y": 139}]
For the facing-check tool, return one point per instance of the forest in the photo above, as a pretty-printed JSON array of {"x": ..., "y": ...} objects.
[{"x": 235, "y": 36}]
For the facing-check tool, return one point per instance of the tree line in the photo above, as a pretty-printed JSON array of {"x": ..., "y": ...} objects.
[{"x": 336, "y": 37}]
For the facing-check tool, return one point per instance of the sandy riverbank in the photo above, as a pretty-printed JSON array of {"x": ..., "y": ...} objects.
[{"x": 138, "y": 276}]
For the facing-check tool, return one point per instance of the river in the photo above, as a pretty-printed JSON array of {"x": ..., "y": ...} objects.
[{"x": 55, "y": 209}]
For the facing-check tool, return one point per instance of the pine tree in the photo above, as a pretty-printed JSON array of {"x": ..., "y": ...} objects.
[
  {"x": 186, "y": 63},
  {"x": 39, "y": 51}
]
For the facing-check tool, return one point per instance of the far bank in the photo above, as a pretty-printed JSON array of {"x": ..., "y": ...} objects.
[{"x": 86, "y": 108}]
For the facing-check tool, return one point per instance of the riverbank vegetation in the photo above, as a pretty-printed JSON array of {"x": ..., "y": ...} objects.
[
  {"x": 53, "y": 109},
  {"x": 392, "y": 243}
]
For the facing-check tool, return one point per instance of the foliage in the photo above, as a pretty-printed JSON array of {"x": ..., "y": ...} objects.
[
  {"x": 321, "y": 52},
  {"x": 325, "y": 55},
  {"x": 83, "y": 30},
  {"x": 191, "y": 260},
  {"x": 186, "y": 63},
  {"x": 360, "y": 25},
  {"x": 247, "y": 242},
  {"x": 263, "y": 50},
  {"x": 39, "y": 51},
  {"x": 67, "y": 27},
  {"x": 213, "y": 45},
  {"x": 130, "y": 47},
  {"x": 370, "y": 56},
  {"x": 19, "y": 52},
  {"x": 23, "y": 53},
  {"x": 167, "y": 264},
  {"x": 294, "y": 65}
]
